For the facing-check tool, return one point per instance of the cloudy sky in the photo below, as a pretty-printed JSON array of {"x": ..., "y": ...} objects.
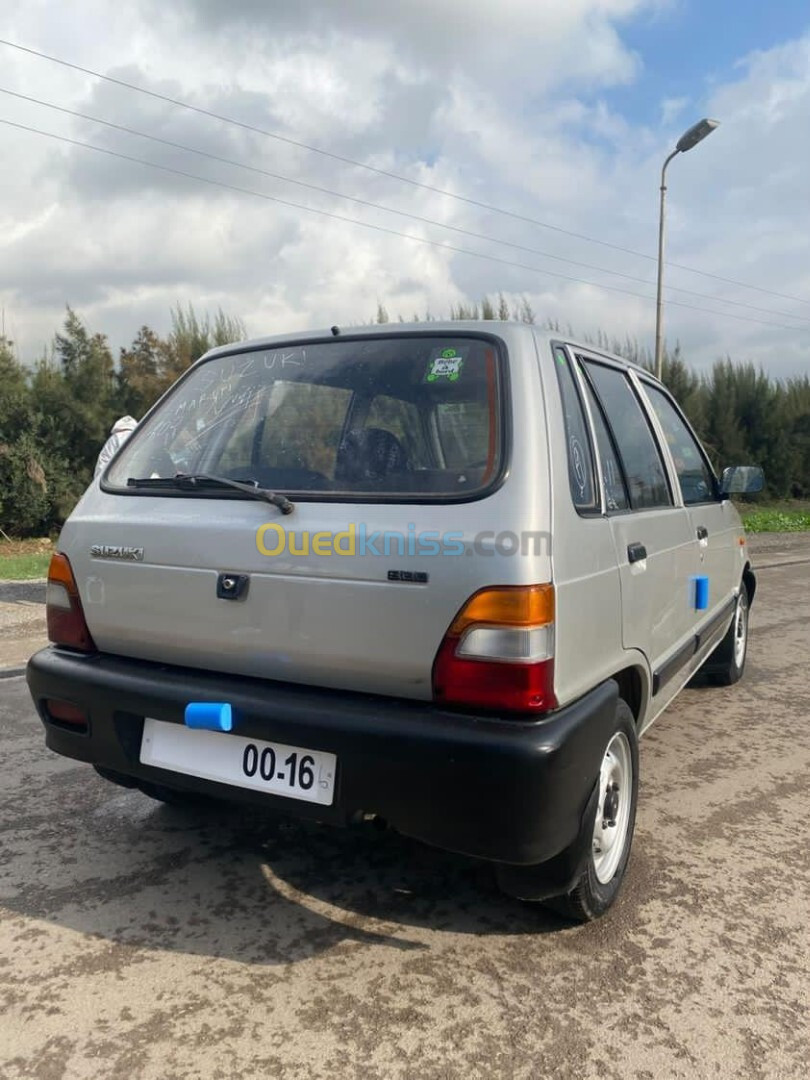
[{"x": 557, "y": 113}]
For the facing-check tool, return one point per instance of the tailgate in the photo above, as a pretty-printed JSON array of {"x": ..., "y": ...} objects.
[{"x": 324, "y": 619}]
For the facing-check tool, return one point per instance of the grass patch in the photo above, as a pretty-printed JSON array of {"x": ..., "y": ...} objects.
[
  {"x": 780, "y": 518},
  {"x": 21, "y": 560},
  {"x": 23, "y": 567}
]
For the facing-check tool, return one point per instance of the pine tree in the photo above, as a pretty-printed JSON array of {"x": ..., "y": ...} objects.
[
  {"x": 75, "y": 396},
  {"x": 192, "y": 335},
  {"x": 140, "y": 377},
  {"x": 526, "y": 311}
]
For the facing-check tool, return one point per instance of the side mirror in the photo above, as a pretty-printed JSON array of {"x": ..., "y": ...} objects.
[{"x": 742, "y": 480}]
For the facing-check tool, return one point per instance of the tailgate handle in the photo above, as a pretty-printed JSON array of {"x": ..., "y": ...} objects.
[
  {"x": 636, "y": 552},
  {"x": 702, "y": 532}
]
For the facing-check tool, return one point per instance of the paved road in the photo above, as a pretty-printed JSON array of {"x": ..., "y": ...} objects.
[
  {"x": 22, "y": 622},
  {"x": 140, "y": 942}
]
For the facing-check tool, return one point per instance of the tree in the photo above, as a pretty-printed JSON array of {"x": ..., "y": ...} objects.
[
  {"x": 24, "y": 501},
  {"x": 525, "y": 311},
  {"x": 191, "y": 336},
  {"x": 141, "y": 379},
  {"x": 15, "y": 395},
  {"x": 87, "y": 392}
]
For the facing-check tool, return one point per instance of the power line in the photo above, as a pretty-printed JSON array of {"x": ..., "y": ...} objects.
[
  {"x": 387, "y": 209},
  {"x": 390, "y": 175},
  {"x": 377, "y": 228}
]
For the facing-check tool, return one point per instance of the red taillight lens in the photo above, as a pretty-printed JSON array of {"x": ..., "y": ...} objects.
[
  {"x": 499, "y": 652},
  {"x": 63, "y": 607},
  {"x": 65, "y": 712}
]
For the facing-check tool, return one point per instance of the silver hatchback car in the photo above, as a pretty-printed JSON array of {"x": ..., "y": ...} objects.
[{"x": 442, "y": 574}]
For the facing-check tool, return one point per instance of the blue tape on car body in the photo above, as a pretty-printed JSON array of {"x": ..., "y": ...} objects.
[
  {"x": 210, "y": 715},
  {"x": 701, "y": 593}
]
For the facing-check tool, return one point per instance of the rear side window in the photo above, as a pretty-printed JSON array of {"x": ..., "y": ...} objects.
[
  {"x": 581, "y": 474},
  {"x": 616, "y": 497},
  {"x": 388, "y": 416},
  {"x": 640, "y": 457},
  {"x": 694, "y": 475}
]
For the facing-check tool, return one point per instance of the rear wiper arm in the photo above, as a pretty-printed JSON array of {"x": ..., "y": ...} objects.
[{"x": 186, "y": 481}]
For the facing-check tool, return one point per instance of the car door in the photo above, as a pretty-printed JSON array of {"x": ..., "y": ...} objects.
[
  {"x": 712, "y": 518},
  {"x": 656, "y": 546}
]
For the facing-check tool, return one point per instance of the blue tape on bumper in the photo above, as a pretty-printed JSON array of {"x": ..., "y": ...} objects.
[{"x": 211, "y": 715}]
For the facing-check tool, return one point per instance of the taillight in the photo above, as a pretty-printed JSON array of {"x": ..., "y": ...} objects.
[
  {"x": 66, "y": 622},
  {"x": 499, "y": 651}
]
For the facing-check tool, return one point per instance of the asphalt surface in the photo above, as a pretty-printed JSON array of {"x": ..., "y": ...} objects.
[
  {"x": 137, "y": 941},
  {"x": 22, "y": 623}
]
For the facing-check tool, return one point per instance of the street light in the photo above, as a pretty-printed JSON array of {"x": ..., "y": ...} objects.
[{"x": 697, "y": 133}]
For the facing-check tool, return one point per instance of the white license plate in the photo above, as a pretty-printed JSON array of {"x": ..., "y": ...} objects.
[{"x": 291, "y": 771}]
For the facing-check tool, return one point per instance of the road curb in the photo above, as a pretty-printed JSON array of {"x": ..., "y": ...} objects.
[{"x": 11, "y": 673}]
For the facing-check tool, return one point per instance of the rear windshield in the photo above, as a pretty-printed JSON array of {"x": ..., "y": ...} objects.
[{"x": 398, "y": 417}]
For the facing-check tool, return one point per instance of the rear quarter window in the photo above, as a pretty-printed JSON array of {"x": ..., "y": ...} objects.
[{"x": 581, "y": 472}]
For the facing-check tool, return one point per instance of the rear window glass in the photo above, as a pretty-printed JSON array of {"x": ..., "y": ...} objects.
[
  {"x": 399, "y": 416},
  {"x": 465, "y": 432}
]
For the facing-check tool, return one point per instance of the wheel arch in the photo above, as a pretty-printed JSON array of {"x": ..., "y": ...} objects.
[
  {"x": 634, "y": 688},
  {"x": 750, "y": 582}
]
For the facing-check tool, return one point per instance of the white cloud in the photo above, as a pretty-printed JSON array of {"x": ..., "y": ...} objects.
[
  {"x": 672, "y": 109},
  {"x": 503, "y": 105}
]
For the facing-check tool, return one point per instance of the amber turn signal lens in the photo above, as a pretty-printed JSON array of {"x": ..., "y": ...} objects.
[
  {"x": 61, "y": 573},
  {"x": 507, "y": 605}
]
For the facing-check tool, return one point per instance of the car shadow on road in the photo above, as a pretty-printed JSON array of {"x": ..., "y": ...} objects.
[{"x": 226, "y": 882}]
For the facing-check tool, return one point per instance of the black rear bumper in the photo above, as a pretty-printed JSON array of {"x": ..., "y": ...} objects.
[{"x": 507, "y": 790}]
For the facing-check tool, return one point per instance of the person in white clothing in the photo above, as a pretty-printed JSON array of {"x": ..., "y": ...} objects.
[{"x": 121, "y": 431}]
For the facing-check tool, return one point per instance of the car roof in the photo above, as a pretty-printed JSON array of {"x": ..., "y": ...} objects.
[{"x": 504, "y": 328}]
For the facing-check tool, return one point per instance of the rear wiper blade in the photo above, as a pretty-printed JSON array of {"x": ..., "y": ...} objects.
[{"x": 186, "y": 481}]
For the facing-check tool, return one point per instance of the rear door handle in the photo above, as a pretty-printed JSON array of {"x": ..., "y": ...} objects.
[
  {"x": 702, "y": 532},
  {"x": 636, "y": 552}
]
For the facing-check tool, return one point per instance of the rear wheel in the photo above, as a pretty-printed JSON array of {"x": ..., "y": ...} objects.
[
  {"x": 727, "y": 662},
  {"x": 613, "y": 825}
]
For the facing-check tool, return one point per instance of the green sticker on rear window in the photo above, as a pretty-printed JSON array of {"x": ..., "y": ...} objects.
[{"x": 447, "y": 366}]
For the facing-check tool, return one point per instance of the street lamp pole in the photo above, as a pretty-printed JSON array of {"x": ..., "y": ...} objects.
[{"x": 697, "y": 133}]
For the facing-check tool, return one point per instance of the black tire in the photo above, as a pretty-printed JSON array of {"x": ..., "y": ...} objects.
[
  {"x": 727, "y": 663},
  {"x": 592, "y": 897}
]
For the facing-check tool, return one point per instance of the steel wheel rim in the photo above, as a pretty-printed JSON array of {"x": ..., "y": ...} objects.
[
  {"x": 741, "y": 629},
  {"x": 613, "y": 810}
]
